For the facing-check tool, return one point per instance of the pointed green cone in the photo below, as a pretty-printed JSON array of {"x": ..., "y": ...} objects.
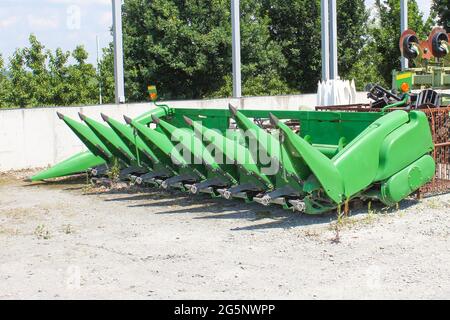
[
  {"x": 190, "y": 142},
  {"x": 75, "y": 164},
  {"x": 269, "y": 144},
  {"x": 110, "y": 139},
  {"x": 92, "y": 142},
  {"x": 159, "y": 143},
  {"x": 167, "y": 149},
  {"x": 266, "y": 141},
  {"x": 226, "y": 165},
  {"x": 322, "y": 167},
  {"x": 234, "y": 151},
  {"x": 134, "y": 142}
]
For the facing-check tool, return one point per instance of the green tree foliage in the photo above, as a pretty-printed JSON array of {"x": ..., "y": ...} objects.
[
  {"x": 37, "y": 77},
  {"x": 185, "y": 48},
  {"x": 5, "y": 85},
  {"x": 441, "y": 8},
  {"x": 352, "y": 26},
  {"x": 181, "y": 46},
  {"x": 38, "y": 83},
  {"x": 106, "y": 74},
  {"x": 58, "y": 70},
  {"x": 83, "y": 78},
  {"x": 19, "y": 79},
  {"x": 296, "y": 26}
]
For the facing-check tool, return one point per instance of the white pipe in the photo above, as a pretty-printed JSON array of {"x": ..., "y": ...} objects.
[
  {"x": 118, "y": 51},
  {"x": 404, "y": 26},
  {"x": 325, "y": 40},
  {"x": 333, "y": 41},
  {"x": 236, "y": 48}
]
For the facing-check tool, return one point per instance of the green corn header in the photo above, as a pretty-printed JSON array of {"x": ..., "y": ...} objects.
[
  {"x": 311, "y": 161},
  {"x": 308, "y": 161}
]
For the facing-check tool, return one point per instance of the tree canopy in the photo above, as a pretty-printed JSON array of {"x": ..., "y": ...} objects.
[
  {"x": 441, "y": 9},
  {"x": 38, "y": 77},
  {"x": 184, "y": 47}
]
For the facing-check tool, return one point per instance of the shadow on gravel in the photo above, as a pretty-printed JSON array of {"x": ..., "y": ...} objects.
[
  {"x": 209, "y": 208},
  {"x": 78, "y": 180},
  {"x": 203, "y": 206}
]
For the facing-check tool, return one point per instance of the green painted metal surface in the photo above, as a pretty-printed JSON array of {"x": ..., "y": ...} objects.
[
  {"x": 76, "y": 164},
  {"x": 134, "y": 143},
  {"x": 111, "y": 140},
  {"x": 321, "y": 159}
]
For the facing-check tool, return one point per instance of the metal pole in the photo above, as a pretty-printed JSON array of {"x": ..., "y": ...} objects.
[
  {"x": 236, "y": 48},
  {"x": 99, "y": 73},
  {"x": 333, "y": 40},
  {"x": 404, "y": 26},
  {"x": 118, "y": 51},
  {"x": 325, "y": 40}
]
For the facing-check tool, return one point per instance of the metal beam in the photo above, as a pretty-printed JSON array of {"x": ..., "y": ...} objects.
[
  {"x": 333, "y": 40},
  {"x": 118, "y": 51},
  {"x": 325, "y": 40},
  {"x": 236, "y": 48},
  {"x": 404, "y": 26}
]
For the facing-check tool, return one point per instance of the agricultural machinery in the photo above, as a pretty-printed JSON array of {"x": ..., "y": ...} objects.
[{"x": 308, "y": 161}]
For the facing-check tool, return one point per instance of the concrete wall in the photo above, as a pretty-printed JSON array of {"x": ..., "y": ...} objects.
[{"x": 32, "y": 138}]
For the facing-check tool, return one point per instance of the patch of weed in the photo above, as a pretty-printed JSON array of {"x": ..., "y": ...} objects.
[{"x": 41, "y": 232}]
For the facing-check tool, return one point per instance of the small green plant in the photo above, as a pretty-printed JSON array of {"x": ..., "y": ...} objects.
[
  {"x": 370, "y": 212},
  {"x": 433, "y": 204},
  {"x": 68, "y": 229},
  {"x": 87, "y": 187},
  {"x": 338, "y": 225},
  {"x": 41, "y": 232},
  {"x": 114, "y": 170}
]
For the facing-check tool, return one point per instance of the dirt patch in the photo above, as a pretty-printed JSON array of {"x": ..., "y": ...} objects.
[{"x": 65, "y": 240}]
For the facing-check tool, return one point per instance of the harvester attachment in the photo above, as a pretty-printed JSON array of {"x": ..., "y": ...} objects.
[
  {"x": 89, "y": 138},
  {"x": 181, "y": 172},
  {"x": 273, "y": 160},
  {"x": 308, "y": 161},
  {"x": 79, "y": 163},
  {"x": 380, "y": 163},
  {"x": 115, "y": 144},
  {"x": 239, "y": 174},
  {"x": 93, "y": 160}
]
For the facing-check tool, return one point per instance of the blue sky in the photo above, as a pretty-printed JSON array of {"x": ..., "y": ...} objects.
[
  {"x": 56, "y": 23},
  {"x": 67, "y": 23}
]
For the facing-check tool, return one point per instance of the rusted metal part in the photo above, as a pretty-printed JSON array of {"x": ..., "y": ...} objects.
[
  {"x": 439, "y": 119},
  {"x": 350, "y": 107},
  {"x": 355, "y": 108},
  {"x": 408, "y": 38}
]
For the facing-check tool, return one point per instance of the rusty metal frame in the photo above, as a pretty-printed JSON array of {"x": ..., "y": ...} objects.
[{"x": 439, "y": 119}]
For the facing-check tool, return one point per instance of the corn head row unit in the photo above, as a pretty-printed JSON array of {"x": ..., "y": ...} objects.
[{"x": 308, "y": 161}]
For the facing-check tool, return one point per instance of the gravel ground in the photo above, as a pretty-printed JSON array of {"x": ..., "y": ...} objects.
[{"x": 64, "y": 240}]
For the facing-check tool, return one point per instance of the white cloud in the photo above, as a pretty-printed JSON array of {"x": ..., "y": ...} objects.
[
  {"x": 8, "y": 22},
  {"x": 42, "y": 23}
]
